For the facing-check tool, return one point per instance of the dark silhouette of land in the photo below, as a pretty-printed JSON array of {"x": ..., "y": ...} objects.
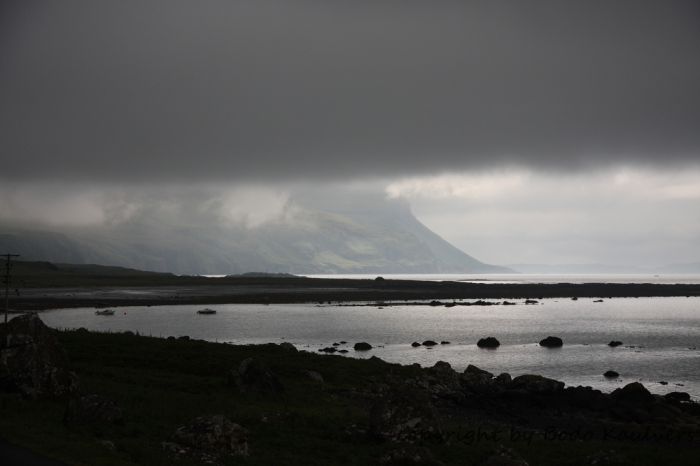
[{"x": 48, "y": 286}]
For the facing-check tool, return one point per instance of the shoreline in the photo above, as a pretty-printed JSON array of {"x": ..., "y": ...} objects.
[
  {"x": 315, "y": 290},
  {"x": 299, "y": 407}
]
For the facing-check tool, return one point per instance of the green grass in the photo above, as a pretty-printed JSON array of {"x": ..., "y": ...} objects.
[{"x": 162, "y": 384}]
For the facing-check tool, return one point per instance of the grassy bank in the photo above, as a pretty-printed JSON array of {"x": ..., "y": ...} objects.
[{"x": 161, "y": 384}]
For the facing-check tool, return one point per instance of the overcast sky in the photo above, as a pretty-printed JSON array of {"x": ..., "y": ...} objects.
[{"x": 539, "y": 131}]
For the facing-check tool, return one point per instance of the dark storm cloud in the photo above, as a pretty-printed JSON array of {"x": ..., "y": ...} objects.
[{"x": 122, "y": 90}]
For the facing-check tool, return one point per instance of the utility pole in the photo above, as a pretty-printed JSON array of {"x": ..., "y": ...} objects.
[{"x": 8, "y": 266}]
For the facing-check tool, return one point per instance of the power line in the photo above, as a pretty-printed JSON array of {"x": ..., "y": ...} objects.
[{"x": 8, "y": 267}]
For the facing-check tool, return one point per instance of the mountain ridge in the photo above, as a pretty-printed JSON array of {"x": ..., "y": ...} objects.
[{"x": 371, "y": 235}]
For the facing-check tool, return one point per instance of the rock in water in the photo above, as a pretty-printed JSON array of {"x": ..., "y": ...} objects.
[
  {"x": 362, "y": 346},
  {"x": 209, "y": 439},
  {"x": 552, "y": 342},
  {"x": 253, "y": 376},
  {"x": 429, "y": 343},
  {"x": 488, "y": 342},
  {"x": 611, "y": 375},
  {"x": 32, "y": 360},
  {"x": 614, "y": 343}
]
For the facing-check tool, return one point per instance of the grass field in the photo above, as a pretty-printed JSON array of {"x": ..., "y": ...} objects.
[{"x": 162, "y": 384}]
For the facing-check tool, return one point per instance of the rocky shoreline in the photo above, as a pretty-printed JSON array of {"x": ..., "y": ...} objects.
[{"x": 269, "y": 395}]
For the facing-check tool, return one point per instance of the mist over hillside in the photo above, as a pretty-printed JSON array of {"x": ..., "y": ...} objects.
[{"x": 360, "y": 234}]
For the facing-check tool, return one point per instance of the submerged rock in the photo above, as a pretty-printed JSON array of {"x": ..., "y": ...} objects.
[
  {"x": 552, "y": 342},
  {"x": 33, "y": 361},
  {"x": 488, "y": 342}
]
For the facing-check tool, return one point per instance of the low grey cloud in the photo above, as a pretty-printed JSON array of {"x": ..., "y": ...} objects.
[{"x": 272, "y": 89}]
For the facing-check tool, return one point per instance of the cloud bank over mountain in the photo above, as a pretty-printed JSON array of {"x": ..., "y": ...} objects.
[{"x": 303, "y": 89}]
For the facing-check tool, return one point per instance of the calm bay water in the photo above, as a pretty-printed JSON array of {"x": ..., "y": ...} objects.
[{"x": 661, "y": 336}]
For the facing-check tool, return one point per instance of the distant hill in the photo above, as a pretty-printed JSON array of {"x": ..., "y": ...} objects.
[{"x": 368, "y": 235}]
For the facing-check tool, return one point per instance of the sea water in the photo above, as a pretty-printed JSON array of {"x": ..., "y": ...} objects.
[{"x": 661, "y": 336}]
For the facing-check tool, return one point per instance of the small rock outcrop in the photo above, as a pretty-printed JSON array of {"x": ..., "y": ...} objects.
[
  {"x": 253, "y": 376},
  {"x": 488, "y": 342},
  {"x": 362, "y": 346},
  {"x": 614, "y": 343},
  {"x": 32, "y": 360},
  {"x": 415, "y": 344},
  {"x": 471, "y": 369},
  {"x": 536, "y": 384},
  {"x": 313, "y": 375},
  {"x": 552, "y": 342},
  {"x": 611, "y": 374},
  {"x": 429, "y": 343},
  {"x": 404, "y": 415},
  {"x": 288, "y": 347},
  {"x": 633, "y": 393},
  {"x": 92, "y": 410},
  {"x": 209, "y": 439},
  {"x": 677, "y": 397}
]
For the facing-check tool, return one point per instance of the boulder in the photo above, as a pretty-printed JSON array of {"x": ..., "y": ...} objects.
[
  {"x": 614, "y": 343},
  {"x": 536, "y": 384},
  {"x": 404, "y": 415},
  {"x": 488, "y": 342},
  {"x": 471, "y": 369},
  {"x": 552, "y": 342},
  {"x": 288, "y": 347},
  {"x": 253, "y": 376},
  {"x": 208, "y": 439},
  {"x": 313, "y": 375},
  {"x": 429, "y": 343},
  {"x": 586, "y": 397},
  {"x": 32, "y": 360},
  {"x": 611, "y": 374},
  {"x": 92, "y": 410},
  {"x": 633, "y": 393},
  {"x": 503, "y": 378},
  {"x": 677, "y": 397},
  {"x": 362, "y": 346},
  {"x": 415, "y": 344}
]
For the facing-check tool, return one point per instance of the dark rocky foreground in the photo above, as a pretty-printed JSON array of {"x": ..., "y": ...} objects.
[{"x": 87, "y": 398}]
